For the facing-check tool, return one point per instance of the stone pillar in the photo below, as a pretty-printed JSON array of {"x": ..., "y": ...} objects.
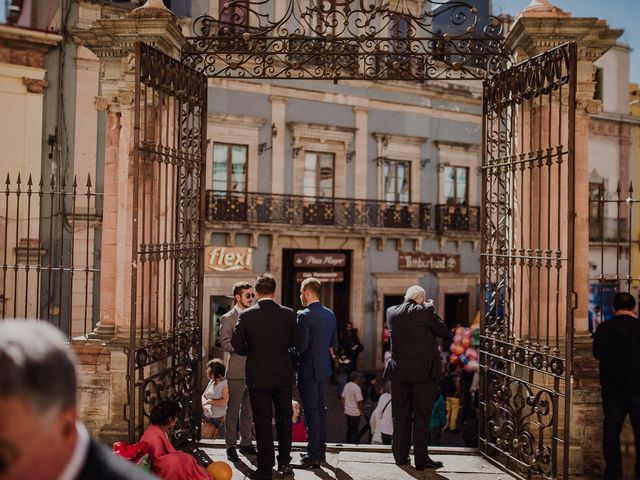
[
  {"x": 361, "y": 143},
  {"x": 278, "y": 134},
  {"x": 540, "y": 27},
  {"x": 113, "y": 42}
]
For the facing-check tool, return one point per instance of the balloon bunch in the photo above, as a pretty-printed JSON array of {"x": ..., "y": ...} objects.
[{"x": 463, "y": 348}]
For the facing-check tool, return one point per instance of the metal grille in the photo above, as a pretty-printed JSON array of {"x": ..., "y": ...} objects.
[
  {"x": 526, "y": 264},
  {"x": 347, "y": 39},
  {"x": 168, "y": 198},
  {"x": 47, "y": 265},
  {"x": 296, "y": 210}
]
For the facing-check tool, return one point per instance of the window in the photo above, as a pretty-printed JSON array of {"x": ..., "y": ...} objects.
[
  {"x": 317, "y": 178},
  {"x": 456, "y": 185},
  {"x": 230, "y": 167},
  {"x": 235, "y": 17},
  {"x": 599, "y": 79},
  {"x": 397, "y": 181},
  {"x": 596, "y": 210}
]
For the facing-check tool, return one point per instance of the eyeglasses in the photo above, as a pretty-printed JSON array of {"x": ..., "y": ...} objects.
[{"x": 249, "y": 295}]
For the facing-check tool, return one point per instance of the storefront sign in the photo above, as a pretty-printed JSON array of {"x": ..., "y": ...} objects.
[
  {"x": 329, "y": 277},
  {"x": 319, "y": 260},
  {"x": 228, "y": 259},
  {"x": 429, "y": 262}
]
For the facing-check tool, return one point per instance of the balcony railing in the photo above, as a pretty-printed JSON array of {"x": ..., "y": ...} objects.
[
  {"x": 608, "y": 230},
  {"x": 223, "y": 206},
  {"x": 457, "y": 218}
]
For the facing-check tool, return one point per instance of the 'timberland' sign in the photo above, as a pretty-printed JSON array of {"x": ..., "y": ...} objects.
[{"x": 429, "y": 262}]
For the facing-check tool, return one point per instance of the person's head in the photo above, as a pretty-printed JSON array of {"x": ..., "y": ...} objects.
[
  {"x": 369, "y": 377},
  {"x": 624, "y": 301},
  {"x": 216, "y": 369},
  {"x": 38, "y": 411},
  {"x": 349, "y": 326},
  {"x": 265, "y": 285},
  {"x": 296, "y": 408},
  {"x": 355, "y": 377},
  {"x": 243, "y": 294},
  {"x": 310, "y": 291},
  {"x": 415, "y": 293},
  {"x": 165, "y": 415}
]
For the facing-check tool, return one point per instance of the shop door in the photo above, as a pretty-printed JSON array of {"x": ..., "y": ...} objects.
[{"x": 456, "y": 309}]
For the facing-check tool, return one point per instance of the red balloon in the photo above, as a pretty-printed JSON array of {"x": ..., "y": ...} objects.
[
  {"x": 459, "y": 350},
  {"x": 453, "y": 358},
  {"x": 466, "y": 341}
]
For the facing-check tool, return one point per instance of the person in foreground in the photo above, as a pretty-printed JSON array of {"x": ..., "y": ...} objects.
[
  {"x": 318, "y": 339},
  {"x": 167, "y": 462},
  {"x": 41, "y": 437},
  {"x": 265, "y": 333},
  {"x": 616, "y": 343},
  {"x": 414, "y": 370}
]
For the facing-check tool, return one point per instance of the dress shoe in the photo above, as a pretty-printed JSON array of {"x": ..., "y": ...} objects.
[
  {"x": 307, "y": 462},
  {"x": 401, "y": 463},
  {"x": 248, "y": 450},
  {"x": 285, "y": 469},
  {"x": 430, "y": 464},
  {"x": 258, "y": 474},
  {"x": 232, "y": 455}
]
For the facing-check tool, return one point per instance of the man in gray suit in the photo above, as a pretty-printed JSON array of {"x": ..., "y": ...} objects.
[{"x": 239, "y": 404}]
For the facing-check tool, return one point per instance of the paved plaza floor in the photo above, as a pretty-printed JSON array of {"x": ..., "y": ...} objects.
[{"x": 375, "y": 463}]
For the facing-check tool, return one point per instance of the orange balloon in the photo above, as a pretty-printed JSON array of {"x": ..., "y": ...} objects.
[{"x": 220, "y": 471}]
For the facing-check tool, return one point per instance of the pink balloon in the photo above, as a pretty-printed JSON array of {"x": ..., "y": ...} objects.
[
  {"x": 459, "y": 331},
  {"x": 471, "y": 353},
  {"x": 459, "y": 349},
  {"x": 457, "y": 339},
  {"x": 466, "y": 341}
]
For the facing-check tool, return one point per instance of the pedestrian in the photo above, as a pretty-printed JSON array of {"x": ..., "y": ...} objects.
[
  {"x": 299, "y": 429},
  {"x": 265, "y": 333},
  {"x": 167, "y": 462},
  {"x": 414, "y": 371},
  {"x": 352, "y": 402},
  {"x": 239, "y": 405},
  {"x": 370, "y": 394},
  {"x": 215, "y": 399},
  {"x": 451, "y": 390},
  {"x": 438, "y": 420},
  {"x": 616, "y": 343},
  {"x": 352, "y": 346},
  {"x": 41, "y": 435},
  {"x": 382, "y": 419},
  {"x": 342, "y": 369},
  {"x": 317, "y": 328}
]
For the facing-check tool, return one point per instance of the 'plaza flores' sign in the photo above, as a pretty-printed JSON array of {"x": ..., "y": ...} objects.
[
  {"x": 319, "y": 260},
  {"x": 228, "y": 259},
  {"x": 429, "y": 262}
]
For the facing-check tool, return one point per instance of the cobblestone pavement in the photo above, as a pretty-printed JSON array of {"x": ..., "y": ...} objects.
[{"x": 375, "y": 463}]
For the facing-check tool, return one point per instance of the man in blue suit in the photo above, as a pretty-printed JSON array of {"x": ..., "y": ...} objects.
[{"x": 318, "y": 340}]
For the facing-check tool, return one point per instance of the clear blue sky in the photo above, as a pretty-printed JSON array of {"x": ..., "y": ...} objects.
[{"x": 618, "y": 13}]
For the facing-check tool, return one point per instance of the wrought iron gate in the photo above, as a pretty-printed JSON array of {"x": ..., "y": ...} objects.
[
  {"x": 526, "y": 264},
  {"x": 168, "y": 198}
]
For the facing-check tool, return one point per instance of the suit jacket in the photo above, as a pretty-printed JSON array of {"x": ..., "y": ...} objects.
[
  {"x": 264, "y": 333},
  {"x": 101, "y": 464},
  {"x": 236, "y": 363},
  {"x": 318, "y": 332},
  {"x": 414, "y": 349}
]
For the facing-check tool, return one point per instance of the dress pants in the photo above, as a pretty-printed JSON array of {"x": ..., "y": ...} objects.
[
  {"x": 615, "y": 406},
  {"x": 314, "y": 411},
  {"x": 412, "y": 404},
  {"x": 238, "y": 403},
  {"x": 264, "y": 401}
]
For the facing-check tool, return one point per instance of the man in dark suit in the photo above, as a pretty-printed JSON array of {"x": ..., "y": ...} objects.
[
  {"x": 318, "y": 339},
  {"x": 265, "y": 333},
  {"x": 414, "y": 370},
  {"x": 616, "y": 344},
  {"x": 239, "y": 406},
  {"x": 41, "y": 437}
]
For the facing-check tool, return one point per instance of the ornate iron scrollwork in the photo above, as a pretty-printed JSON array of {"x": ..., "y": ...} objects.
[{"x": 347, "y": 39}]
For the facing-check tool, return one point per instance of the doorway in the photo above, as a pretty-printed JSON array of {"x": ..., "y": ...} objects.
[{"x": 456, "y": 309}]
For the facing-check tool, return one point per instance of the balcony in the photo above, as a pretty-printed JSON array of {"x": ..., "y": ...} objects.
[
  {"x": 457, "y": 218},
  {"x": 610, "y": 230},
  {"x": 294, "y": 210}
]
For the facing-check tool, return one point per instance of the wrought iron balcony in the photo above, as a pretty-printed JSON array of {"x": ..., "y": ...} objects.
[
  {"x": 457, "y": 218},
  {"x": 223, "y": 206}
]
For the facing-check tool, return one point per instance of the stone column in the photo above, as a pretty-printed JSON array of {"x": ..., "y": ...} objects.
[
  {"x": 278, "y": 134},
  {"x": 361, "y": 143},
  {"x": 113, "y": 42},
  {"x": 540, "y": 27}
]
